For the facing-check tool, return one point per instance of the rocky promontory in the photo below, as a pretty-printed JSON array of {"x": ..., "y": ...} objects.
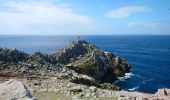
[
  {"x": 79, "y": 57},
  {"x": 79, "y": 70},
  {"x": 88, "y": 59}
]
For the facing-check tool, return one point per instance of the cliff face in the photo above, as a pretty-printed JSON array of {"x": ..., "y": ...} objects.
[{"x": 88, "y": 59}]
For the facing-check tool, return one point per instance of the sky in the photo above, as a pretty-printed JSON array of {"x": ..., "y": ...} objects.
[{"x": 84, "y": 17}]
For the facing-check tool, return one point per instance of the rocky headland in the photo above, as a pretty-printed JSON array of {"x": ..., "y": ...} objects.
[{"x": 78, "y": 71}]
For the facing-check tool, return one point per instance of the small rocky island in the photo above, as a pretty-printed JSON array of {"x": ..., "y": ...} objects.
[{"x": 78, "y": 71}]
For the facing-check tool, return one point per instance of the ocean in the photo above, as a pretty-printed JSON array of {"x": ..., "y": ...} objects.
[{"x": 149, "y": 56}]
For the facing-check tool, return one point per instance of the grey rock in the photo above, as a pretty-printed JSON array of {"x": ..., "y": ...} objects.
[
  {"x": 88, "y": 59},
  {"x": 162, "y": 94},
  {"x": 12, "y": 55},
  {"x": 43, "y": 58},
  {"x": 14, "y": 90},
  {"x": 93, "y": 88},
  {"x": 74, "y": 60}
]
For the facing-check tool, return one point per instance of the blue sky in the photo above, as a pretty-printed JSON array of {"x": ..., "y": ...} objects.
[{"x": 84, "y": 17}]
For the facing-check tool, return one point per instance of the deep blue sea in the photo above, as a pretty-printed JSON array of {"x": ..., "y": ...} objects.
[{"x": 149, "y": 56}]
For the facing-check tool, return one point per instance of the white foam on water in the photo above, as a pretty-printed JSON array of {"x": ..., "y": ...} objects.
[
  {"x": 121, "y": 78},
  {"x": 127, "y": 75},
  {"x": 133, "y": 89}
]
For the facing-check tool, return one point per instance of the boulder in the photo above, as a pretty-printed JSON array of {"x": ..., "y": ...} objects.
[
  {"x": 93, "y": 88},
  {"x": 14, "y": 90},
  {"x": 162, "y": 94}
]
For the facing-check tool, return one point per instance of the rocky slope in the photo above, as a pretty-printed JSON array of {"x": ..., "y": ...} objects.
[
  {"x": 54, "y": 89},
  {"x": 16, "y": 63},
  {"x": 88, "y": 59},
  {"x": 80, "y": 71},
  {"x": 80, "y": 56}
]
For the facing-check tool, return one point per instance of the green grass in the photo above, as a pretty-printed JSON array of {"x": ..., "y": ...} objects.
[
  {"x": 59, "y": 96},
  {"x": 87, "y": 68},
  {"x": 51, "y": 96}
]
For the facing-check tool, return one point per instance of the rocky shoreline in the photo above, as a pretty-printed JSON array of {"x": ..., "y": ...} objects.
[
  {"x": 79, "y": 71},
  {"x": 56, "y": 89}
]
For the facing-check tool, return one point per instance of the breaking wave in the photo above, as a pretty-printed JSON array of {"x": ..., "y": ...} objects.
[{"x": 127, "y": 75}]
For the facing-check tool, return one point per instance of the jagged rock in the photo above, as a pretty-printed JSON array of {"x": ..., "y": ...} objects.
[
  {"x": 88, "y": 59},
  {"x": 43, "y": 58},
  {"x": 86, "y": 80},
  {"x": 73, "y": 62},
  {"x": 75, "y": 50},
  {"x": 14, "y": 90},
  {"x": 12, "y": 55},
  {"x": 17, "y": 63}
]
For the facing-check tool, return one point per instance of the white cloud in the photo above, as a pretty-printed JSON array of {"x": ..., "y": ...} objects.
[
  {"x": 139, "y": 24},
  {"x": 137, "y": 28},
  {"x": 42, "y": 18},
  {"x": 126, "y": 11},
  {"x": 152, "y": 27}
]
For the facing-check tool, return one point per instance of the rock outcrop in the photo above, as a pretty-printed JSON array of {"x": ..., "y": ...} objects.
[
  {"x": 162, "y": 94},
  {"x": 16, "y": 63},
  {"x": 74, "y": 61},
  {"x": 14, "y": 90},
  {"x": 88, "y": 59},
  {"x": 43, "y": 58},
  {"x": 9, "y": 55},
  {"x": 80, "y": 70}
]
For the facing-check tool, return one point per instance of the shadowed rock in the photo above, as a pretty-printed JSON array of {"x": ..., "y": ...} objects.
[
  {"x": 43, "y": 58},
  {"x": 15, "y": 63},
  {"x": 12, "y": 55}
]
